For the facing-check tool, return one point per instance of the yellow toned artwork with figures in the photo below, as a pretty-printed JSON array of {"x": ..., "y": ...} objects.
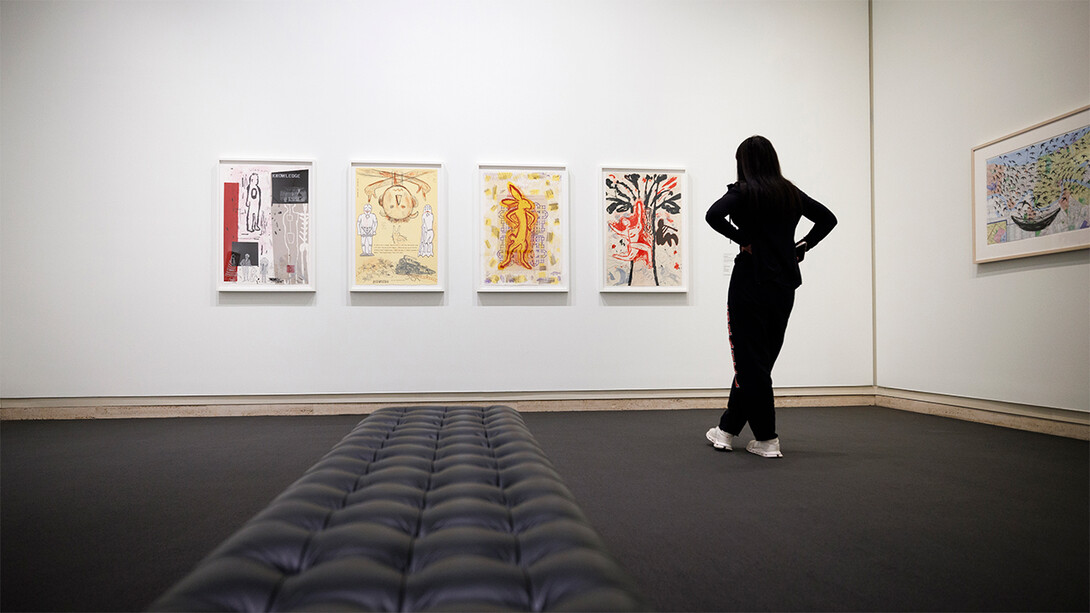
[{"x": 395, "y": 219}]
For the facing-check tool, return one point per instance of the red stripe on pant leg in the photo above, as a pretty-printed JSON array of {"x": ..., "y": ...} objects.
[{"x": 730, "y": 341}]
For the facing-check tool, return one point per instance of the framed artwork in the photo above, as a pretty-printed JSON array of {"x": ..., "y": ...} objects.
[
  {"x": 266, "y": 224},
  {"x": 523, "y": 228},
  {"x": 644, "y": 229},
  {"x": 1031, "y": 190},
  {"x": 396, "y": 212}
]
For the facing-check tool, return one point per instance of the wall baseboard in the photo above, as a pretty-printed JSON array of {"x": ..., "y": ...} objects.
[
  {"x": 1046, "y": 420},
  {"x": 1059, "y": 422}
]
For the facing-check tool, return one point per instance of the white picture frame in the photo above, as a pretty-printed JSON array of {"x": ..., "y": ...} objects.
[
  {"x": 1029, "y": 190},
  {"x": 404, "y": 208},
  {"x": 517, "y": 259},
  {"x": 643, "y": 250},
  {"x": 265, "y": 235}
]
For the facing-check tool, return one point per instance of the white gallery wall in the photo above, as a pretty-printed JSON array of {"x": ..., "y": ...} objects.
[
  {"x": 113, "y": 116},
  {"x": 949, "y": 76}
]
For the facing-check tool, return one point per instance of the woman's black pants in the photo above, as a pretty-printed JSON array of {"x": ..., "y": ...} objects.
[{"x": 757, "y": 317}]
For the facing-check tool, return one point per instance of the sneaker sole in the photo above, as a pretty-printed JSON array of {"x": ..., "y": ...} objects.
[
  {"x": 766, "y": 454},
  {"x": 719, "y": 446}
]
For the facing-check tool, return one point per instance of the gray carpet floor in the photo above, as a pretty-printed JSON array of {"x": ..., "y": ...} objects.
[
  {"x": 105, "y": 515},
  {"x": 869, "y": 510}
]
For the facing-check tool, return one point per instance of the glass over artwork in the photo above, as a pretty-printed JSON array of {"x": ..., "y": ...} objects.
[
  {"x": 1031, "y": 190},
  {"x": 1040, "y": 189},
  {"x": 395, "y": 213},
  {"x": 644, "y": 230},
  {"x": 266, "y": 225},
  {"x": 522, "y": 229}
]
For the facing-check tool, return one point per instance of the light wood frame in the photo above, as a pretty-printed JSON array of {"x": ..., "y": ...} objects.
[{"x": 1048, "y": 138}]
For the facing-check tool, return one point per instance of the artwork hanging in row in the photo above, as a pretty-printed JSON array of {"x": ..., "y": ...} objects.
[
  {"x": 265, "y": 216},
  {"x": 1031, "y": 190},
  {"x": 645, "y": 243},
  {"x": 394, "y": 217},
  {"x": 523, "y": 228},
  {"x": 397, "y": 212}
]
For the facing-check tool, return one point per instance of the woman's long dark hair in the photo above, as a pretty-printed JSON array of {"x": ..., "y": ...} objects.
[{"x": 759, "y": 169}]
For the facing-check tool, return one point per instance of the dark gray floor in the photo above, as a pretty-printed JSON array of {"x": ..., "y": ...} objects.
[
  {"x": 871, "y": 509},
  {"x": 106, "y": 515}
]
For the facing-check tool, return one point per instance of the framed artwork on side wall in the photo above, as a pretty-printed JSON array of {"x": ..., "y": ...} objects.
[
  {"x": 522, "y": 228},
  {"x": 266, "y": 225},
  {"x": 1031, "y": 190},
  {"x": 395, "y": 215},
  {"x": 644, "y": 229}
]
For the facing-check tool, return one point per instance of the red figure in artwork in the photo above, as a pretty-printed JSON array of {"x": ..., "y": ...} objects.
[{"x": 634, "y": 233}]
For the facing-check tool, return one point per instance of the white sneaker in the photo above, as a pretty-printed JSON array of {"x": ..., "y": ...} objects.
[
  {"x": 720, "y": 439},
  {"x": 765, "y": 449}
]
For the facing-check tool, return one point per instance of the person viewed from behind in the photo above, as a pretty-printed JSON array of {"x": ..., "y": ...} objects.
[{"x": 760, "y": 212}]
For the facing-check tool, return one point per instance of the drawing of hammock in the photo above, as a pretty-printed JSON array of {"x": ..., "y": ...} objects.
[{"x": 1035, "y": 220}]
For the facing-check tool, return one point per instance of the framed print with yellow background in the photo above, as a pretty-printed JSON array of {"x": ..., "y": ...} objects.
[
  {"x": 396, "y": 215},
  {"x": 523, "y": 228}
]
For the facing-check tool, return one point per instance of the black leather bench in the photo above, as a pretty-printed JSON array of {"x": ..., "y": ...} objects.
[{"x": 417, "y": 509}]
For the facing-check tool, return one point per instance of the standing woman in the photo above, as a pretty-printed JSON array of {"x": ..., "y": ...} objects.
[{"x": 760, "y": 213}]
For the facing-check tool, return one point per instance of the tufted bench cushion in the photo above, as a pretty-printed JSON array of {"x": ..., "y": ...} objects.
[{"x": 417, "y": 509}]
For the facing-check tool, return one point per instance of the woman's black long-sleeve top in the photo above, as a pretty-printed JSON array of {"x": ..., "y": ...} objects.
[{"x": 769, "y": 234}]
